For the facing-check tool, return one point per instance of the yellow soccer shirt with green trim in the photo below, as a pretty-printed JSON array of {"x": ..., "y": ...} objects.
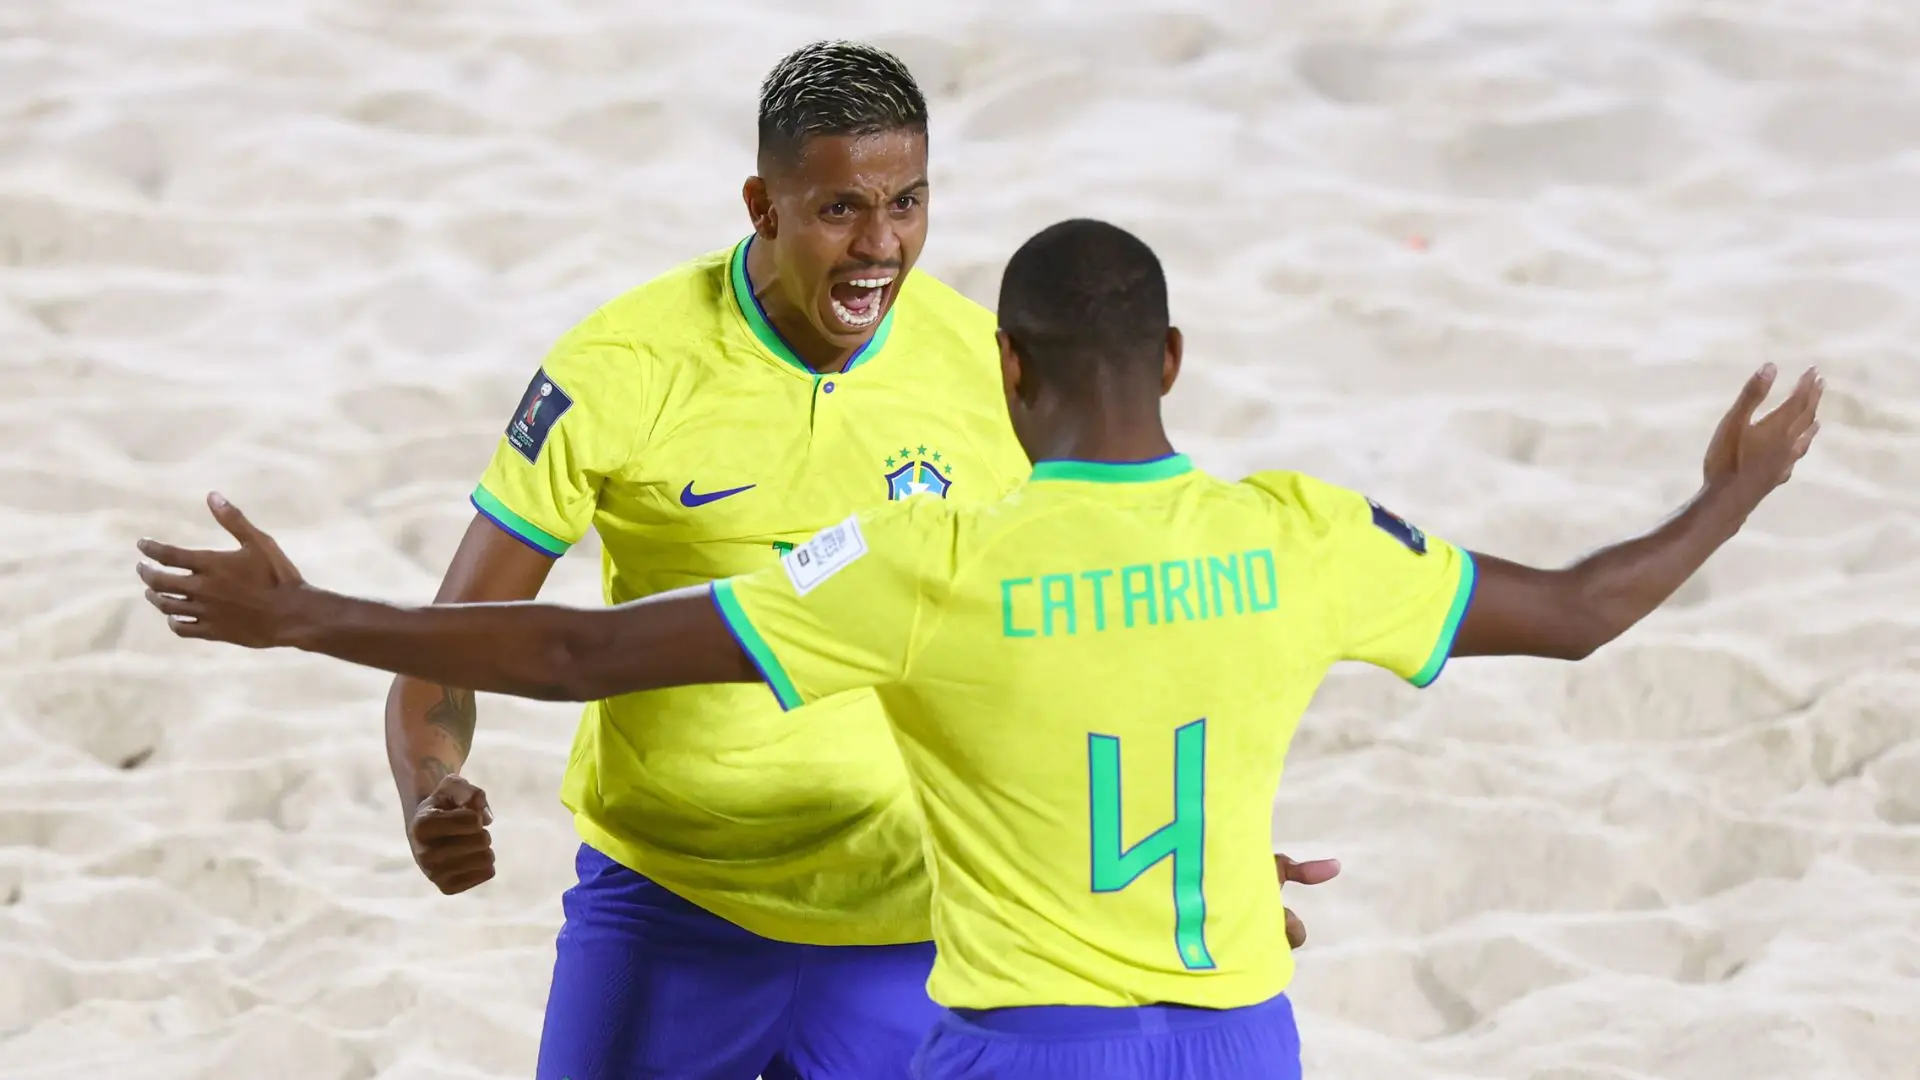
[
  {"x": 676, "y": 423},
  {"x": 1094, "y": 683}
]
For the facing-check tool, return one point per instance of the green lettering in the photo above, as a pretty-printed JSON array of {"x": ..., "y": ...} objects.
[
  {"x": 1183, "y": 839},
  {"x": 1228, "y": 568},
  {"x": 1200, "y": 589},
  {"x": 1098, "y": 579},
  {"x": 1265, "y": 557},
  {"x": 1007, "y": 629},
  {"x": 1170, "y": 593},
  {"x": 1049, "y": 603},
  {"x": 1130, "y": 595}
]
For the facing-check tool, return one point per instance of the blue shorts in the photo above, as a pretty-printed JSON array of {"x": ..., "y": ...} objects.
[
  {"x": 648, "y": 985},
  {"x": 1077, "y": 1042}
]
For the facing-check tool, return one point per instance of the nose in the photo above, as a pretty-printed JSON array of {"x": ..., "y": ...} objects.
[{"x": 875, "y": 241}]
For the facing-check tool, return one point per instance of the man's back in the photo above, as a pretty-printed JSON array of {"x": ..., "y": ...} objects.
[{"x": 1094, "y": 683}]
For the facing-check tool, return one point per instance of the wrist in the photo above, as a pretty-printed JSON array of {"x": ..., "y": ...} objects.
[
  {"x": 302, "y": 616},
  {"x": 1727, "y": 503},
  {"x": 1733, "y": 492}
]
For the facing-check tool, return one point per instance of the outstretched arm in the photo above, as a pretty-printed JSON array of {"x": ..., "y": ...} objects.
[
  {"x": 1568, "y": 613},
  {"x": 255, "y": 597}
]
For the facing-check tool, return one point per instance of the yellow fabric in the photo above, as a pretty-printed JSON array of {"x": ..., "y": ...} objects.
[
  {"x": 1094, "y": 683},
  {"x": 797, "y": 827}
]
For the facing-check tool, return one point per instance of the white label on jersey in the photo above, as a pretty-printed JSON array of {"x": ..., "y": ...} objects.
[{"x": 829, "y": 552}]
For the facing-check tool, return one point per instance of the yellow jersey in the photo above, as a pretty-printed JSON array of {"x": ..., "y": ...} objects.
[
  {"x": 1093, "y": 684},
  {"x": 677, "y": 423}
]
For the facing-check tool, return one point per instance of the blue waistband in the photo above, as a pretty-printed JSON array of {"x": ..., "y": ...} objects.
[{"x": 1105, "y": 1019}]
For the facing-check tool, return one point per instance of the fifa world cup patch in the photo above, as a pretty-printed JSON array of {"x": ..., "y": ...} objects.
[
  {"x": 541, "y": 407},
  {"x": 829, "y": 552},
  {"x": 1398, "y": 528}
]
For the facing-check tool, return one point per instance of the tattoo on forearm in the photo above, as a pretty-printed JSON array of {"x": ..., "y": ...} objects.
[
  {"x": 455, "y": 714},
  {"x": 432, "y": 771}
]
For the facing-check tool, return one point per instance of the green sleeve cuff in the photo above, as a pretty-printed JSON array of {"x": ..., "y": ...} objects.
[
  {"x": 516, "y": 526},
  {"x": 755, "y": 646},
  {"x": 1462, "y": 600}
]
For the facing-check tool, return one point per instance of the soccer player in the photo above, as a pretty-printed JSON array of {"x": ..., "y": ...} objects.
[
  {"x": 703, "y": 423},
  {"x": 1093, "y": 682}
]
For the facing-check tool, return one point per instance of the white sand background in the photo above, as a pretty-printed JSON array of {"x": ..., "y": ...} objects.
[{"x": 1499, "y": 265}]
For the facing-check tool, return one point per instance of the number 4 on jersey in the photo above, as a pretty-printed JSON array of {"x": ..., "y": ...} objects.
[{"x": 1183, "y": 839}]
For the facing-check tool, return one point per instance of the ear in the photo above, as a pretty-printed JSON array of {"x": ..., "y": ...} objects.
[
  {"x": 760, "y": 210},
  {"x": 1170, "y": 361},
  {"x": 1009, "y": 365}
]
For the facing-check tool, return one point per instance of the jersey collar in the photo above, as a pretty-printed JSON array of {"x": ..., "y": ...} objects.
[
  {"x": 770, "y": 338},
  {"x": 1114, "y": 472}
]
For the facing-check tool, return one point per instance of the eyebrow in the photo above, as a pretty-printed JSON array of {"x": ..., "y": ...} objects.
[{"x": 861, "y": 197}]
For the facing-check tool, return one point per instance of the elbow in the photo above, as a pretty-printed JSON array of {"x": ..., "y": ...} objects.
[
  {"x": 1580, "y": 647},
  {"x": 1594, "y": 617},
  {"x": 571, "y": 678},
  {"x": 577, "y": 667}
]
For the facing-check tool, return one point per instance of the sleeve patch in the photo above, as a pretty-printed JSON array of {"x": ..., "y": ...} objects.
[
  {"x": 1395, "y": 526},
  {"x": 541, "y": 407},
  {"x": 829, "y": 552}
]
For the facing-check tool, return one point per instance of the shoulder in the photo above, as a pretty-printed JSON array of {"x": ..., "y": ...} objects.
[
  {"x": 931, "y": 307},
  {"x": 686, "y": 297},
  {"x": 1328, "y": 510},
  {"x": 1311, "y": 502},
  {"x": 909, "y": 525},
  {"x": 617, "y": 342}
]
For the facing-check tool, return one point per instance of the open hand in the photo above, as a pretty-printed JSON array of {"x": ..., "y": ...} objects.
[
  {"x": 1759, "y": 456},
  {"x": 1302, "y": 873},
  {"x": 242, "y": 596},
  {"x": 449, "y": 835}
]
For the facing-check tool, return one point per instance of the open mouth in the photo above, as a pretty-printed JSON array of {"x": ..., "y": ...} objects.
[{"x": 859, "y": 303}]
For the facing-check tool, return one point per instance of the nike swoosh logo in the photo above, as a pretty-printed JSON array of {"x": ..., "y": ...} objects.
[{"x": 690, "y": 498}]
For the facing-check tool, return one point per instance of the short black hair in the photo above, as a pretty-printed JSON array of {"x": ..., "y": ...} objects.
[
  {"x": 835, "y": 88},
  {"x": 1084, "y": 301}
]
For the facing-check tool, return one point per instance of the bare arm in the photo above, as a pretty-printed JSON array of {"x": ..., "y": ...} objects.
[
  {"x": 545, "y": 651},
  {"x": 430, "y": 727},
  {"x": 1567, "y": 614},
  {"x": 255, "y": 597}
]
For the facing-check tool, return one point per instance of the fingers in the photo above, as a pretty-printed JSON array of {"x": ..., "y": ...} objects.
[
  {"x": 179, "y": 558},
  {"x": 1751, "y": 395},
  {"x": 457, "y": 873},
  {"x": 1815, "y": 385},
  {"x": 452, "y": 845},
  {"x": 1312, "y": 872},
  {"x": 1306, "y": 873},
  {"x": 1805, "y": 441},
  {"x": 455, "y": 884},
  {"x": 433, "y": 824},
  {"x": 163, "y": 581},
  {"x": 174, "y": 605},
  {"x": 1803, "y": 399},
  {"x": 456, "y": 792},
  {"x": 251, "y": 536},
  {"x": 232, "y": 520},
  {"x": 449, "y": 850}
]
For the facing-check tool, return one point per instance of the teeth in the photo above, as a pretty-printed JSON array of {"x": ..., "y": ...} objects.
[
  {"x": 853, "y": 320},
  {"x": 871, "y": 283}
]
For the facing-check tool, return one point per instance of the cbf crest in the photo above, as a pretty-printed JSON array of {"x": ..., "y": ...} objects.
[{"x": 918, "y": 471}]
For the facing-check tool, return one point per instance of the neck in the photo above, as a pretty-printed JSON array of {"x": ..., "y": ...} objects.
[
  {"x": 792, "y": 325},
  {"x": 1104, "y": 433}
]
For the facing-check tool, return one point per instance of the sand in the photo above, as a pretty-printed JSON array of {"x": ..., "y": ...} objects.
[{"x": 1500, "y": 268}]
